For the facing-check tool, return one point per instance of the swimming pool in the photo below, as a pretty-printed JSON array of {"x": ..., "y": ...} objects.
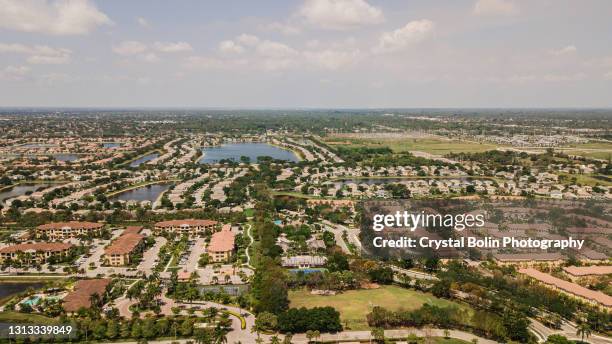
[
  {"x": 307, "y": 270},
  {"x": 34, "y": 300}
]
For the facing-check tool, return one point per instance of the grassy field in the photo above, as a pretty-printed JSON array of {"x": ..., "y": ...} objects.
[
  {"x": 585, "y": 179},
  {"x": 428, "y": 145},
  {"x": 16, "y": 317},
  {"x": 354, "y": 305}
]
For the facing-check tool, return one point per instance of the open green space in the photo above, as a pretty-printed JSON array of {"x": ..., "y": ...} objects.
[
  {"x": 429, "y": 145},
  {"x": 16, "y": 317},
  {"x": 354, "y": 305},
  {"x": 586, "y": 179}
]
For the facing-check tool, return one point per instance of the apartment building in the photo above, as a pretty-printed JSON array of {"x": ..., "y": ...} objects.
[
  {"x": 191, "y": 227},
  {"x": 70, "y": 229}
]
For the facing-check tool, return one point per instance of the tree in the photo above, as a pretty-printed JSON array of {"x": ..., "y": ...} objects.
[
  {"x": 337, "y": 262},
  {"x": 379, "y": 334},
  {"x": 112, "y": 329},
  {"x": 266, "y": 321},
  {"x": 584, "y": 330},
  {"x": 310, "y": 335},
  {"x": 269, "y": 287},
  {"x": 558, "y": 339},
  {"x": 442, "y": 289}
]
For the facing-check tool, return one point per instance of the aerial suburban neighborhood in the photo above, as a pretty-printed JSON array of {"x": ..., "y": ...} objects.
[
  {"x": 306, "y": 172},
  {"x": 145, "y": 232}
]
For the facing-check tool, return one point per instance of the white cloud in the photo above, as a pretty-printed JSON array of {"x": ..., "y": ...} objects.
[
  {"x": 172, "y": 47},
  {"x": 340, "y": 14},
  {"x": 411, "y": 33},
  {"x": 14, "y": 73},
  {"x": 331, "y": 59},
  {"x": 150, "y": 57},
  {"x": 143, "y": 22},
  {"x": 275, "y": 50},
  {"x": 53, "y": 17},
  {"x": 495, "y": 7},
  {"x": 230, "y": 46},
  {"x": 569, "y": 49},
  {"x": 249, "y": 40},
  {"x": 38, "y": 54},
  {"x": 127, "y": 48},
  {"x": 284, "y": 28}
]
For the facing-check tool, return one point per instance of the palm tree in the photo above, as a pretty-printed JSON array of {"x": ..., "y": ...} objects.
[
  {"x": 219, "y": 335},
  {"x": 310, "y": 335},
  {"x": 203, "y": 337},
  {"x": 275, "y": 340},
  {"x": 584, "y": 330}
]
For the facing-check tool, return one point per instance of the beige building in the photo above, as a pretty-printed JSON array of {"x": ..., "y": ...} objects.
[
  {"x": 121, "y": 251},
  {"x": 221, "y": 245},
  {"x": 191, "y": 227},
  {"x": 34, "y": 253},
  {"x": 71, "y": 229}
]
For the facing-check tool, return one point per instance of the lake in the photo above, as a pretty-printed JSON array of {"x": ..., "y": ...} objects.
[
  {"x": 8, "y": 289},
  {"x": 65, "y": 157},
  {"x": 21, "y": 189},
  {"x": 233, "y": 151},
  {"x": 143, "y": 159},
  {"x": 145, "y": 193},
  {"x": 111, "y": 144}
]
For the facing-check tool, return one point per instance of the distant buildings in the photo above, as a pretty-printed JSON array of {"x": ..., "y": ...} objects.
[
  {"x": 221, "y": 245},
  {"x": 121, "y": 251},
  {"x": 189, "y": 227},
  {"x": 32, "y": 253},
  {"x": 65, "y": 230}
]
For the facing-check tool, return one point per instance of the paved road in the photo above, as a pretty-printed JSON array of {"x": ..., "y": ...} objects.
[
  {"x": 148, "y": 258},
  {"x": 392, "y": 334},
  {"x": 567, "y": 329},
  {"x": 248, "y": 233}
]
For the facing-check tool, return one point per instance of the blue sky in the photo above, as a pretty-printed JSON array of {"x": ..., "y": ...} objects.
[{"x": 306, "y": 53}]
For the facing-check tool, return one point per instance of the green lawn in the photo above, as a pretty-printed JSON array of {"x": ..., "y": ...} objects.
[
  {"x": 354, "y": 305},
  {"x": 16, "y": 317},
  {"x": 585, "y": 179},
  {"x": 428, "y": 145}
]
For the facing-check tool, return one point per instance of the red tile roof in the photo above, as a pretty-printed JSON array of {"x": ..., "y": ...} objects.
[
  {"x": 569, "y": 287},
  {"x": 222, "y": 241},
  {"x": 124, "y": 244},
  {"x": 38, "y": 247},
  {"x": 588, "y": 270},
  {"x": 83, "y": 290},
  {"x": 71, "y": 224},
  {"x": 188, "y": 222}
]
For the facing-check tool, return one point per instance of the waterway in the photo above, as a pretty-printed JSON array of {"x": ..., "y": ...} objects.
[
  {"x": 233, "y": 151},
  {"x": 143, "y": 159},
  {"x": 65, "y": 157},
  {"x": 22, "y": 189},
  {"x": 111, "y": 144},
  {"x": 145, "y": 193}
]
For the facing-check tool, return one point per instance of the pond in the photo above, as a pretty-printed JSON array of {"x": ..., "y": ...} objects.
[
  {"x": 8, "y": 289},
  {"x": 145, "y": 193},
  {"x": 22, "y": 189},
  {"x": 143, "y": 159},
  {"x": 233, "y": 151},
  {"x": 111, "y": 144},
  {"x": 65, "y": 157}
]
